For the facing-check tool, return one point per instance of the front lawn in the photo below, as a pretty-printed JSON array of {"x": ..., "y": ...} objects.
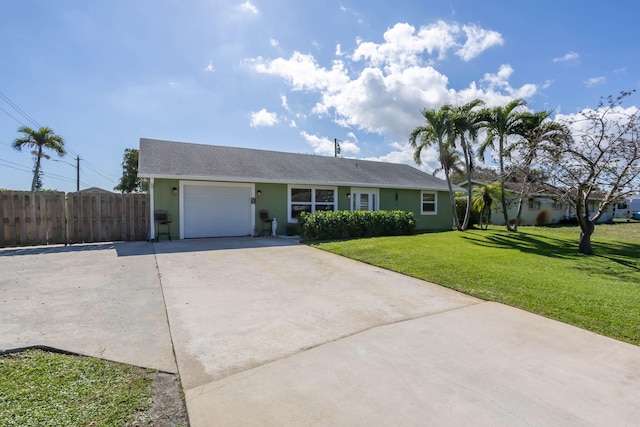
[{"x": 537, "y": 269}]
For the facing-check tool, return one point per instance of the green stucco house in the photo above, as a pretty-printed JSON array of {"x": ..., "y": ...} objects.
[{"x": 215, "y": 191}]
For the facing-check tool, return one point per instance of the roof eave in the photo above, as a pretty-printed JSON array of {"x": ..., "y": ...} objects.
[{"x": 292, "y": 182}]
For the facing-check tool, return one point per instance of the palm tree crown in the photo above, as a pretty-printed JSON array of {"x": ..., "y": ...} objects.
[
  {"x": 38, "y": 140},
  {"x": 437, "y": 131},
  {"x": 501, "y": 123}
]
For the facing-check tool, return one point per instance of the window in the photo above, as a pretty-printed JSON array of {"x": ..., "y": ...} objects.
[
  {"x": 429, "y": 203},
  {"x": 534, "y": 204},
  {"x": 556, "y": 205},
  {"x": 310, "y": 199}
]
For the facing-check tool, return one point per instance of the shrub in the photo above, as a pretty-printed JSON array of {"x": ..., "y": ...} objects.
[
  {"x": 323, "y": 225},
  {"x": 461, "y": 207}
]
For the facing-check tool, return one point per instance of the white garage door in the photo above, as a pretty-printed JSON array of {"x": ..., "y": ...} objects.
[{"x": 217, "y": 211}]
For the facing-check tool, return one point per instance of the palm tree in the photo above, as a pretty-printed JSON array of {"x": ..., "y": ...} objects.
[
  {"x": 38, "y": 140},
  {"x": 501, "y": 123},
  {"x": 437, "y": 131},
  {"x": 465, "y": 121},
  {"x": 537, "y": 133},
  {"x": 483, "y": 198}
]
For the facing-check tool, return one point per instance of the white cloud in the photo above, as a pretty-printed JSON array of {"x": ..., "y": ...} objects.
[
  {"x": 321, "y": 145},
  {"x": 383, "y": 103},
  {"x": 567, "y": 57},
  {"x": 292, "y": 124},
  {"x": 209, "y": 68},
  {"x": 403, "y": 153},
  {"x": 273, "y": 42},
  {"x": 499, "y": 83},
  {"x": 285, "y": 105},
  {"x": 404, "y": 47},
  {"x": 546, "y": 84},
  {"x": 248, "y": 7},
  {"x": 349, "y": 147},
  {"x": 382, "y": 88},
  {"x": 339, "y": 50},
  {"x": 478, "y": 40},
  {"x": 263, "y": 118},
  {"x": 325, "y": 146},
  {"x": 303, "y": 73},
  {"x": 590, "y": 82}
]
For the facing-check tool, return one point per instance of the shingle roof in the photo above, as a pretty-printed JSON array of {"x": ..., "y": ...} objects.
[{"x": 179, "y": 160}]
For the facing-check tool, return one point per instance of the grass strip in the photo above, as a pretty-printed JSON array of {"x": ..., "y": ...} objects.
[
  {"x": 39, "y": 388},
  {"x": 537, "y": 269}
]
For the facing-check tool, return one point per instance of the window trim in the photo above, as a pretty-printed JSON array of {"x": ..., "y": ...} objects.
[
  {"x": 435, "y": 202},
  {"x": 313, "y": 189}
]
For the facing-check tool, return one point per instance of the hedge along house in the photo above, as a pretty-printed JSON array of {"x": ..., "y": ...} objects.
[{"x": 215, "y": 191}]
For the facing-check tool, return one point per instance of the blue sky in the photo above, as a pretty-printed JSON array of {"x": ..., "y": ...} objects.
[{"x": 289, "y": 75}]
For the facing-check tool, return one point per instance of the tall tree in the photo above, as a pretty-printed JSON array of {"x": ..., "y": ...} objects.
[
  {"x": 465, "y": 123},
  {"x": 437, "y": 132},
  {"x": 537, "y": 134},
  {"x": 600, "y": 164},
  {"x": 38, "y": 141},
  {"x": 129, "y": 182},
  {"x": 501, "y": 123}
]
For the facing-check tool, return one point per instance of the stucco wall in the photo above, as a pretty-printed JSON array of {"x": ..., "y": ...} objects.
[
  {"x": 410, "y": 201},
  {"x": 165, "y": 199},
  {"x": 274, "y": 200},
  {"x": 274, "y": 197}
]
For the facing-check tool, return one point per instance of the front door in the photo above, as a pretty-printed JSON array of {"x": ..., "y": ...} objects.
[{"x": 364, "y": 199}]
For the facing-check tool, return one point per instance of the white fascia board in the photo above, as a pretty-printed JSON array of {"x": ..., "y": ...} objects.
[{"x": 295, "y": 182}]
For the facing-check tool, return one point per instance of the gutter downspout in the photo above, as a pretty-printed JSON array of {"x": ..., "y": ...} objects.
[{"x": 152, "y": 220}]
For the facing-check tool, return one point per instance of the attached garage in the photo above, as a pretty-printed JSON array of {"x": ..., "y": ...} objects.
[{"x": 216, "y": 210}]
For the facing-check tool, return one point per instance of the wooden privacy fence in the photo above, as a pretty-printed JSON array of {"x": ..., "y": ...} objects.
[{"x": 49, "y": 217}]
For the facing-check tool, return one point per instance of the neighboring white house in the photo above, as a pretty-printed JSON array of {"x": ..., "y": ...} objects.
[{"x": 542, "y": 207}]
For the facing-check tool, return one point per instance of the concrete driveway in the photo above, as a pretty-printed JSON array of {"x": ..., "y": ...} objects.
[
  {"x": 270, "y": 332},
  {"x": 102, "y": 300}
]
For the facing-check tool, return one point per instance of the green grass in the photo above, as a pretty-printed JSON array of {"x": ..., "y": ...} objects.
[
  {"x": 537, "y": 269},
  {"x": 39, "y": 388}
]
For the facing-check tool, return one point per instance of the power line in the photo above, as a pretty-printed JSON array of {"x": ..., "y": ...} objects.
[
  {"x": 24, "y": 168},
  {"x": 18, "y": 109},
  {"x": 30, "y": 169},
  {"x": 7, "y": 113},
  {"x": 99, "y": 172},
  {"x": 95, "y": 169}
]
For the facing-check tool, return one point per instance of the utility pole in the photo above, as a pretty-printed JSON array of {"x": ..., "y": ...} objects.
[
  {"x": 78, "y": 173},
  {"x": 336, "y": 147}
]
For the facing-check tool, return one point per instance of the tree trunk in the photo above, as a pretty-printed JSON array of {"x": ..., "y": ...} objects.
[
  {"x": 467, "y": 163},
  {"x": 486, "y": 215},
  {"x": 36, "y": 170},
  {"x": 452, "y": 198},
  {"x": 503, "y": 196},
  {"x": 518, "y": 215},
  {"x": 585, "y": 238}
]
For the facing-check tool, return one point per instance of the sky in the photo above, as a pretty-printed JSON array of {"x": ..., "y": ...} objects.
[{"x": 289, "y": 75}]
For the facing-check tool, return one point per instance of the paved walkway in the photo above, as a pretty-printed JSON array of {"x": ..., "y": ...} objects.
[{"x": 269, "y": 332}]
